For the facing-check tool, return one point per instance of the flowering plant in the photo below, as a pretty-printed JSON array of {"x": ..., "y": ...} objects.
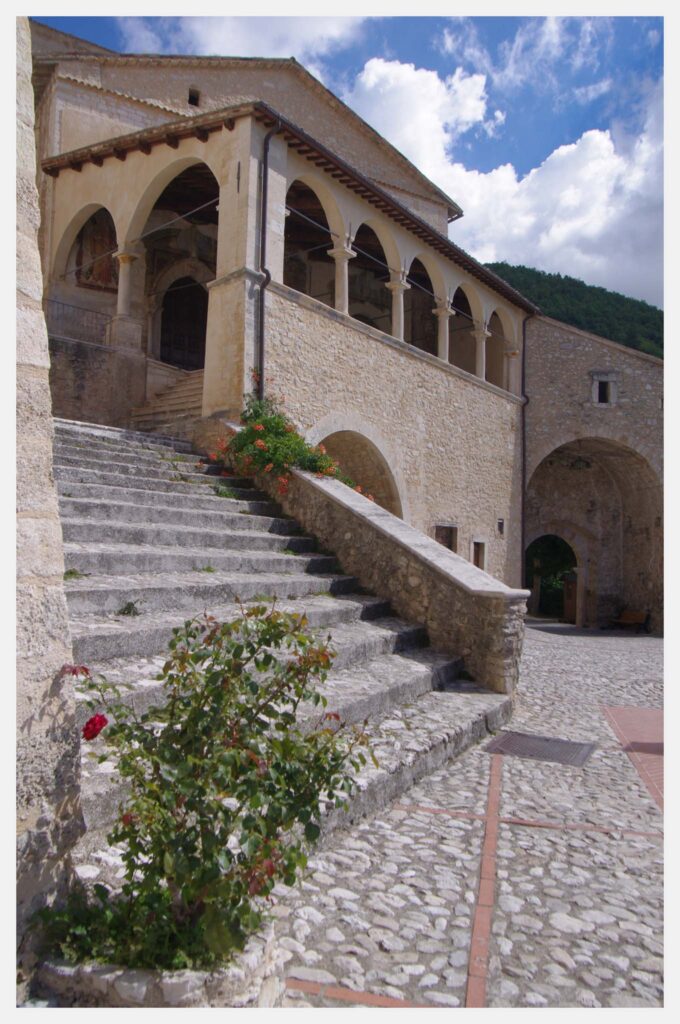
[
  {"x": 270, "y": 443},
  {"x": 225, "y": 790}
]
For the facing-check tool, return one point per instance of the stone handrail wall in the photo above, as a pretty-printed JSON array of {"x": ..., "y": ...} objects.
[{"x": 466, "y": 612}]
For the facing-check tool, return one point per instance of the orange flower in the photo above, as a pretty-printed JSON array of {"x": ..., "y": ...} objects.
[
  {"x": 322, "y": 449},
  {"x": 358, "y": 488},
  {"x": 370, "y": 497},
  {"x": 268, "y": 468},
  {"x": 258, "y": 426},
  {"x": 261, "y": 445}
]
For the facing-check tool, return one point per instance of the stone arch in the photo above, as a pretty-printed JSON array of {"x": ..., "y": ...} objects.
[
  {"x": 462, "y": 344},
  {"x": 496, "y": 344},
  {"x": 307, "y": 265},
  {"x": 369, "y": 300},
  {"x": 579, "y": 544},
  {"x": 434, "y": 272},
  {"x": 420, "y": 325},
  {"x": 70, "y": 234},
  {"x": 603, "y": 492},
  {"x": 386, "y": 238},
  {"x": 363, "y": 451},
  {"x": 474, "y": 300},
  {"x": 190, "y": 267},
  {"x": 327, "y": 201},
  {"x": 154, "y": 189}
]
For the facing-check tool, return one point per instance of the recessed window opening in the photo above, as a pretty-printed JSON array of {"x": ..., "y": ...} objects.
[
  {"x": 478, "y": 553},
  {"x": 603, "y": 392},
  {"x": 447, "y": 535},
  {"x": 194, "y": 97}
]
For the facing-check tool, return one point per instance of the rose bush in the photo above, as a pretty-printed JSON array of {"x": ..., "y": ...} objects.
[{"x": 225, "y": 792}]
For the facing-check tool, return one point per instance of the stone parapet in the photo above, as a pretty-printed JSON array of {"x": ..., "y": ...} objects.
[{"x": 465, "y": 611}]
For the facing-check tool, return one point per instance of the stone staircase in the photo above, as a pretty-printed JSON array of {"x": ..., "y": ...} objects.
[
  {"x": 145, "y": 531},
  {"x": 173, "y": 409}
]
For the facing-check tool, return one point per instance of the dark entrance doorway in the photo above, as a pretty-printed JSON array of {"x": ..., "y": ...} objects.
[
  {"x": 183, "y": 324},
  {"x": 549, "y": 574}
]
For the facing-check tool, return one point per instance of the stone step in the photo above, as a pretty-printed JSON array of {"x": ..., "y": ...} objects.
[
  {"x": 170, "y": 535},
  {"x": 96, "y": 639},
  {"x": 219, "y": 519},
  {"x": 197, "y": 486},
  {"x": 188, "y": 593},
  {"x": 75, "y": 428},
  {"x": 111, "y": 559},
  {"x": 115, "y": 472},
  {"x": 182, "y": 497},
  {"x": 413, "y": 729},
  {"x": 80, "y": 453}
]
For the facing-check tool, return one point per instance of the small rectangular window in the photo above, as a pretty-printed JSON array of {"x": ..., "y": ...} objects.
[
  {"x": 447, "y": 535},
  {"x": 478, "y": 553},
  {"x": 603, "y": 392},
  {"x": 194, "y": 97}
]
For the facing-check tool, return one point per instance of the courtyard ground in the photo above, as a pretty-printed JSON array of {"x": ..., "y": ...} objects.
[{"x": 499, "y": 880}]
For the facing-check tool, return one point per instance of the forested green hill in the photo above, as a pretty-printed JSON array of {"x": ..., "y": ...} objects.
[{"x": 628, "y": 321}]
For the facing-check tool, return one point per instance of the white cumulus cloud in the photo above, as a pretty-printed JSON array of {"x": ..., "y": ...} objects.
[
  {"x": 303, "y": 38},
  {"x": 592, "y": 209}
]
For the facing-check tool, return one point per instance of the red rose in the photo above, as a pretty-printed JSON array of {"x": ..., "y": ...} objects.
[{"x": 94, "y": 726}]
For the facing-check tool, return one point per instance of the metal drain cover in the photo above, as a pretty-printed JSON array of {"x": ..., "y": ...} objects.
[{"x": 541, "y": 748}]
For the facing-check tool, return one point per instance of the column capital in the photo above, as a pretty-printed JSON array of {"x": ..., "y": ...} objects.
[
  {"x": 341, "y": 253},
  {"x": 126, "y": 257},
  {"x": 480, "y": 330},
  {"x": 442, "y": 309},
  {"x": 397, "y": 282}
]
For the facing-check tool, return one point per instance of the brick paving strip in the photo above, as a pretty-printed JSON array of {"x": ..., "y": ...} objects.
[
  {"x": 345, "y": 995},
  {"x": 640, "y": 732}
]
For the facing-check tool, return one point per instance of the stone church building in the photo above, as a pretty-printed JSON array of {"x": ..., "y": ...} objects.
[{"x": 201, "y": 217}]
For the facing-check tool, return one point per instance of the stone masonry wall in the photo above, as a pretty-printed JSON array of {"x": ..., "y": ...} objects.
[
  {"x": 48, "y": 813},
  {"x": 559, "y": 361},
  {"x": 465, "y": 611},
  {"x": 452, "y": 443},
  {"x": 95, "y": 383}
]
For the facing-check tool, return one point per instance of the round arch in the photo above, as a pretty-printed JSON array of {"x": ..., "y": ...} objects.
[
  {"x": 351, "y": 430},
  {"x": 70, "y": 234},
  {"x": 152, "y": 192},
  {"x": 496, "y": 345},
  {"x": 434, "y": 272},
  {"x": 570, "y": 553},
  {"x": 420, "y": 325},
  {"x": 190, "y": 267},
  {"x": 605, "y": 500},
  {"x": 386, "y": 239},
  {"x": 473, "y": 298},
  {"x": 327, "y": 201}
]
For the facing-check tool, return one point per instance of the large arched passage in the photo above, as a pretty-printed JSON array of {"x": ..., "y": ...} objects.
[
  {"x": 307, "y": 267},
  {"x": 605, "y": 500},
  {"x": 180, "y": 250},
  {"x": 361, "y": 460}
]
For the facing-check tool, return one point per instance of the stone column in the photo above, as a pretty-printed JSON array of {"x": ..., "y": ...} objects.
[
  {"x": 443, "y": 311},
  {"x": 397, "y": 285},
  {"x": 511, "y": 373},
  {"x": 125, "y": 331},
  {"x": 480, "y": 334},
  {"x": 342, "y": 255},
  {"x": 125, "y": 261}
]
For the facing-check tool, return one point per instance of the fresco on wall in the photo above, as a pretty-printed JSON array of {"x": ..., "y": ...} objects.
[{"x": 95, "y": 266}]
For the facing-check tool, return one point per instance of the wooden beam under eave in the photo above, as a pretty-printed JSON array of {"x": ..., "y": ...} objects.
[
  {"x": 145, "y": 148},
  {"x": 120, "y": 154},
  {"x": 172, "y": 141},
  {"x": 202, "y": 134},
  {"x": 52, "y": 171},
  {"x": 97, "y": 160}
]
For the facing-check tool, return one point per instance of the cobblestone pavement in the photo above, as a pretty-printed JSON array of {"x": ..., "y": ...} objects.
[{"x": 502, "y": 881}]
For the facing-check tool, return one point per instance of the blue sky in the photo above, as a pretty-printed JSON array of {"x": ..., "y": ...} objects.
[{"x": 547, "y": 131}]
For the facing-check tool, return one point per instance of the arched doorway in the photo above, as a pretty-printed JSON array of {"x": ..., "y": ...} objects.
[
  {"x": 550, "y": 568},
  {"x": 307, "y": 267},
  {"x": 184, "y": 316},
  {"x": 361, "y": 460},
  {"x": 495, "y": 352}
]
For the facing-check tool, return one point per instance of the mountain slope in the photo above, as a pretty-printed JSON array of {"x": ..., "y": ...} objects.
[{"x": 631, "y": 322}]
